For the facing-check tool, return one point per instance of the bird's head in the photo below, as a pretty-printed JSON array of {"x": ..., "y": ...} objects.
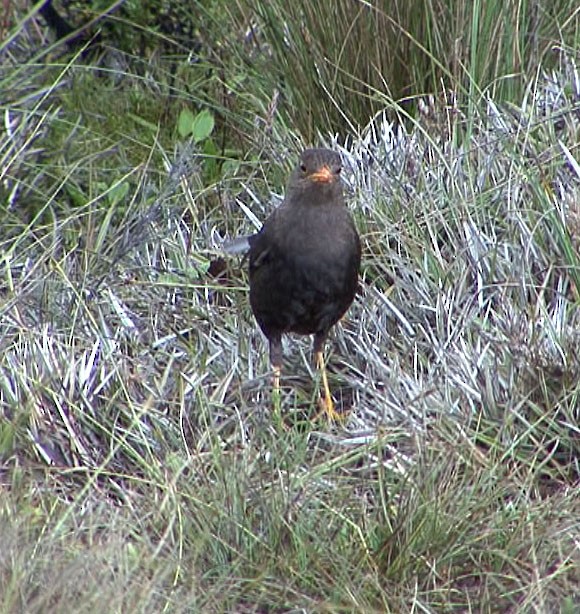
[{"x": 317, "y": 176}]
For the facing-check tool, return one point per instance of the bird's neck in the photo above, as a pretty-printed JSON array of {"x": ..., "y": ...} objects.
[{"x": 324, "y": 196}]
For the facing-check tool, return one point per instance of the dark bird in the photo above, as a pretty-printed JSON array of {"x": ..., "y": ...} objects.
[{"x": 304, "y": 262}]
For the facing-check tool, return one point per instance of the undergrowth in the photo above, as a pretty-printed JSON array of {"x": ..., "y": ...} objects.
[{"x": 142, "y": 469}]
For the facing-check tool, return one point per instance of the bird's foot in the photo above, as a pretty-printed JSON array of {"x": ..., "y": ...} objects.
[{"x": 326, "y": 405}]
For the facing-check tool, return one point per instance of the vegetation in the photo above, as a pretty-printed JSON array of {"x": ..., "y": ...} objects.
[{"x": 141, "y": 467}]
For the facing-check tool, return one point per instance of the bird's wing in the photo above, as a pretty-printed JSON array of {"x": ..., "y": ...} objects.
[
  {"x": 260, "y": 249},
  {"x": 263, "y": 243}
]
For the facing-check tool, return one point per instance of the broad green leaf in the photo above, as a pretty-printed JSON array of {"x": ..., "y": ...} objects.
[
  {"x": 202, "y": 126},
  {"x": 185, "y": 123}
]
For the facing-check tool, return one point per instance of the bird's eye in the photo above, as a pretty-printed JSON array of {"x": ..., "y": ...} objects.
[
  {"x": 338, "y": 169},
  {"x": 303, "y": 167}
]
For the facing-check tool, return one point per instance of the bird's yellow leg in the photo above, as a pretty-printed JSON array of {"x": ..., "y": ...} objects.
[
  {"x": 276, "y": 394},
  {"x": 326, "y": 403}
]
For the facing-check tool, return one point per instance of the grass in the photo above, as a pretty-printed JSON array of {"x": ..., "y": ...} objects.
[
  {"x": 388, "y": 53},
  {"x": 142, "y": 469}
]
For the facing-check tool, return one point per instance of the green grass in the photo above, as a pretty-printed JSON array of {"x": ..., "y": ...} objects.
[
  {"x": 387, "y": 53},
  {"x": 141, "y": 466}
]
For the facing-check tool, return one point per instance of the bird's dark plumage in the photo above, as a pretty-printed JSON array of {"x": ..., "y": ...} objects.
[{"x": 305, "y": 260}]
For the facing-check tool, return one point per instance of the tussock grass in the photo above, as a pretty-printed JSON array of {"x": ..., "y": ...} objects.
[
  {"x": 142, "y": 469},
  {"x": 384, "y": 53}
]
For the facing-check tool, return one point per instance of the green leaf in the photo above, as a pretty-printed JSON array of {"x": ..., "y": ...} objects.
[
  {"x": 185, "y": 123},
  {"x": 202, "y": 126}
]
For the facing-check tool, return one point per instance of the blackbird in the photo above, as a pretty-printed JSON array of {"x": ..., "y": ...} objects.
[{"x": 304, "y": 262}]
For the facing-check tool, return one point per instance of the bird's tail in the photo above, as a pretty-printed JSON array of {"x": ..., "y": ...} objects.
[{"x": 239, "y": 245}]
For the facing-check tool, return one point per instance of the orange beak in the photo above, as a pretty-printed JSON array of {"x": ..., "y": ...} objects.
[{"x": 324, "y": 175}]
